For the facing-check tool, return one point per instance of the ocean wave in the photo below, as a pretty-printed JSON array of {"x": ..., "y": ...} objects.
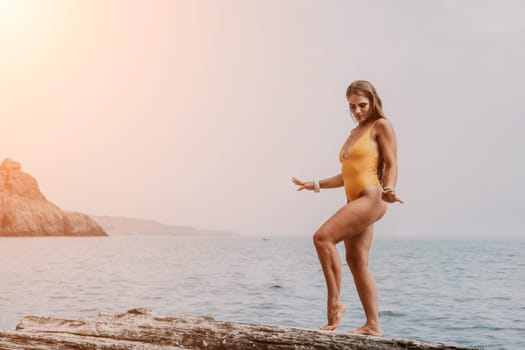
[{"x": 391, "y": 313}]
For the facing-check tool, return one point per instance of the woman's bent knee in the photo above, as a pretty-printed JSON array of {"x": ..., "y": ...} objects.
[
  {"x": 321, "y": 238},
  {"x": 317, "y": 238}
]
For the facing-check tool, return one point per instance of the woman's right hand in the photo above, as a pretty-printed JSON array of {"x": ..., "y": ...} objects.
[{"x": 303, "y": 185}]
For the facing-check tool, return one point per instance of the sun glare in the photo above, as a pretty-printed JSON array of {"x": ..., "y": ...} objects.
[
  {"x": 13, "y": 18},
  {"x": 8, "y": 8}
]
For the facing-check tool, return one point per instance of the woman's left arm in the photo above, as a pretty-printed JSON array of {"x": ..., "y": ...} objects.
[{"x": 386, "y": 140}]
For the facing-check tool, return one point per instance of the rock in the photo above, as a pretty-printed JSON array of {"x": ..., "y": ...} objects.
[
  {"x": 25, "y": 211},
  {"x": 142, "y": 329}
]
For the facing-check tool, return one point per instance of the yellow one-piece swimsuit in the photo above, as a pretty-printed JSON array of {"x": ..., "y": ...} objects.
[{"x": 359, "y": 168}]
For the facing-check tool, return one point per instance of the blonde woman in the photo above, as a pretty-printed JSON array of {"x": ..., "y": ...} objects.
[{"x": 368, "y": 174}]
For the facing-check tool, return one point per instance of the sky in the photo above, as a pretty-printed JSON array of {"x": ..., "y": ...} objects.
[{"x": 198, "y": 113}]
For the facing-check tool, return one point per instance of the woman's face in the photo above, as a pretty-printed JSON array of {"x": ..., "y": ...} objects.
[{"x": 359, "y": 107}]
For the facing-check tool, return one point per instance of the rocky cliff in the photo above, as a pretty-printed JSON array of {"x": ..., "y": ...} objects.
[{"x": 25, "y": 211}]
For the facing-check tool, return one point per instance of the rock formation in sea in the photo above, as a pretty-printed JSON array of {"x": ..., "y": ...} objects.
[{"x": 25, "y": 211}]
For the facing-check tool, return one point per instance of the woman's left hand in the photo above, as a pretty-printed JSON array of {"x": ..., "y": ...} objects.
[{"x": 390, "y": 196}]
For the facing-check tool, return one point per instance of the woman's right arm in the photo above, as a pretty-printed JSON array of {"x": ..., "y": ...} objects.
[{"x": 331, "y": 182}]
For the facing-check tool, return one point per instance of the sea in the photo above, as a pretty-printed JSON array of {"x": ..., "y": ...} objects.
[{"x": 457, "y": 291}]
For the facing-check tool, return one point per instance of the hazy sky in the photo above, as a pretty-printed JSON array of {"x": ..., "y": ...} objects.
[{"x": 200, "y": 112}]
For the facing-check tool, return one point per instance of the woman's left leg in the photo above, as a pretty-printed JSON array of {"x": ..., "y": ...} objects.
[{"x": 357, "y": 252}]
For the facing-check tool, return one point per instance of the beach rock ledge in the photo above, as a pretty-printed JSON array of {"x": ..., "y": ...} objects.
[
  {"x": 25, "y": 211},
  {"x": 142, "y": 329}
]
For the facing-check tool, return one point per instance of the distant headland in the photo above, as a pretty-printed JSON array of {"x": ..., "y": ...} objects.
[
  {"x": 117, "y": 226},
  {"x": 25, "y": 211}
]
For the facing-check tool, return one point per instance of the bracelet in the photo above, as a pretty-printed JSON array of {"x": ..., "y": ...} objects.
[
  {"x": 317, "y": 186},
  {"x": 388, "y": 188}
]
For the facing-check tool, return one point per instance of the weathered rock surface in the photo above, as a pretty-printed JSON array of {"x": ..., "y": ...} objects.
[
  {"x": 141, "y": 329},
  {"x": 24, "y": 211}
]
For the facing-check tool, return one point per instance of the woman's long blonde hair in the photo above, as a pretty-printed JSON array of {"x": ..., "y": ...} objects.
[{"x": 366, "y": 89}]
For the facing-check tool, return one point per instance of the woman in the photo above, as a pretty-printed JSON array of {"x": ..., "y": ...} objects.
[{"x": 369, "y": 175}]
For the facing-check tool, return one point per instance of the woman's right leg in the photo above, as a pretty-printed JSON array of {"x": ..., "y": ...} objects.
[{"x": 331, "y": 265}]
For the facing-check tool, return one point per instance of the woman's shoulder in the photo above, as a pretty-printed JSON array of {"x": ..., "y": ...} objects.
[
  {"x": 381, "y": 126},
  {"x": 382, "y": 123}
]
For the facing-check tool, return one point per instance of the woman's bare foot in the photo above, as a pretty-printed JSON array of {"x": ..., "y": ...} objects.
[
  {"x": 367, "y": 330},
  {"x": 335, "y": 315}
]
